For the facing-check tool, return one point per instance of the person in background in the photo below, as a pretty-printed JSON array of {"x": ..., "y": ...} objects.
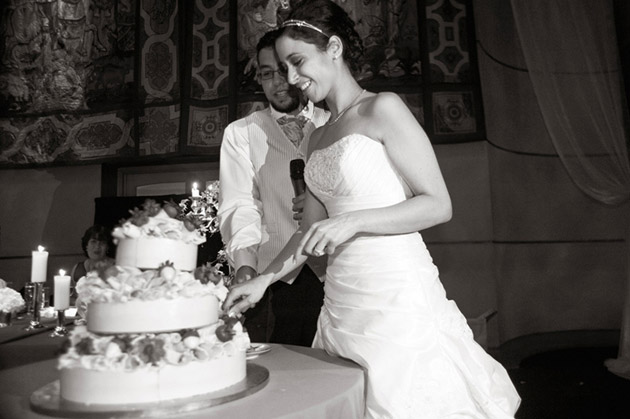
[
  {"x": 258, "y": 211},
  {"x": 373, "y": 183},
  {"x": 98, "y": 247}
]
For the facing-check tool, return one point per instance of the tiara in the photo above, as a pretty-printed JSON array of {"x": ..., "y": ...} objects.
[{"x": 301, "y": 23}]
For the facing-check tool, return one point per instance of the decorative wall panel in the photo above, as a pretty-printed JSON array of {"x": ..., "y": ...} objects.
[
  {"x": 206, "y": 127},
  {"x": 448, "y": 41},
  {"x": 65, "y": 138},
  {"x": 45, "y": 139},
  {"x": 125, "y": 80},
  {"x": 454, "y": 113},
  {"x": 389, "y": 30},
  {"x": 159, "y": 37},
  {"x": 103, "y": 135},
  {"x": 158, "y": 130},
  {"x": 210, "y": 67}
]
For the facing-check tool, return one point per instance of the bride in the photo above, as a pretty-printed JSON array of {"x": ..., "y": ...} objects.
[{"x": 373, "y": 183}]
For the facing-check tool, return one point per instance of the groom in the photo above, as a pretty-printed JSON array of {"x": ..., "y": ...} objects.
[{"x": 257, "y": 203}]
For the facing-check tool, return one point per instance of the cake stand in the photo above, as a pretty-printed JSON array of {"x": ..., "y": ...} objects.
[{"x": 47, "y": 400}]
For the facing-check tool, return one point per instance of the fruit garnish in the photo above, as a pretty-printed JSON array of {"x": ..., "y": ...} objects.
[
  {"x": 210, "y": 272},
  {"x": 224, "y": 333},
  {"x": 124, "y": 342},
  {"x": 151, "y": 207},
  {"x": 188, "y": 332},
  {"x": 230, "y": 321},
  {"x": 167, "y": 271},
  {"x": 190, "y": 226},
  {"x": 138, "y": 217},
  {"x": 85, "y": 346},
  {"x": 171, "y": 209},
  {"x": 151, "y": 350}
]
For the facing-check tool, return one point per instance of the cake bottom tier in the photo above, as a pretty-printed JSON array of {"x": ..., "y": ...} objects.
[{"x": 150, "y": 385}]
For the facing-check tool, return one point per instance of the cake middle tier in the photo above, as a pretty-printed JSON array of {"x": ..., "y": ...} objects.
[{"x": 161, "y": 315}]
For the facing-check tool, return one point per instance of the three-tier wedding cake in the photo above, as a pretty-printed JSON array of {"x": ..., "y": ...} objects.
[{"x": 154, "y": 328}]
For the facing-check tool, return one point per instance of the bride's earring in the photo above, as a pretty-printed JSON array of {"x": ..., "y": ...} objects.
[{"x": 335, "y": 47}]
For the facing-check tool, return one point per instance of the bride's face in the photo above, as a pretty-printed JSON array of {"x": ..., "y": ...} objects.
[{"x": 308, "y": 68}]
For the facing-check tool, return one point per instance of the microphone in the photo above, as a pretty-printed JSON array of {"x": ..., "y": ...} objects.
[{"x": 297, "y": 176}]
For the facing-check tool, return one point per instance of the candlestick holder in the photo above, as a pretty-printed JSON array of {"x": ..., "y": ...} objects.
[
  {"x": 29, "y": 296},
  {"x": 60, "y": 329},
  {"x": 37, "y": 299}
]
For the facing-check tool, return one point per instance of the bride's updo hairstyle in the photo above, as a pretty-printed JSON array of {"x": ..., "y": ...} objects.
[{"x": 324, "y": 18}]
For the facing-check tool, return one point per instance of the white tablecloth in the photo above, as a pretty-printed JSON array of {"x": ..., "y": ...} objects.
[{"x": 303, "y": 383}]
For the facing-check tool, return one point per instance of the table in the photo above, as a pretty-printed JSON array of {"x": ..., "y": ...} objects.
[
  {"x": 304, "y": 383},
  {"x": 16, "y": 330},
  {"x": 19, "y": 346}
]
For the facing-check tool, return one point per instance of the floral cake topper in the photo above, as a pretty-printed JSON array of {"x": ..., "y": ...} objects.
[
  {"x": 189, "y": 220},
  {"x": 201, "y": 211}
]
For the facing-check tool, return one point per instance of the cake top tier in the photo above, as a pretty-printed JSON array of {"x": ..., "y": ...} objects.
[
  {"x": 158, "y": 224},
  {"x": 188, "y": 221}
]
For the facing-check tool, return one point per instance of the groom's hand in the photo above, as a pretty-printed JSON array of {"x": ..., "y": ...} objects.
[{"x": 245, "y": 296}]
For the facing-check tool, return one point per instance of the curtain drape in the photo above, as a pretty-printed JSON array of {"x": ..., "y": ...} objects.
[{"x": 572, "y": 57}]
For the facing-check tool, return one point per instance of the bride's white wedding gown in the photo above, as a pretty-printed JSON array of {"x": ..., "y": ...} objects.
[{"x": 385, "y": 307}]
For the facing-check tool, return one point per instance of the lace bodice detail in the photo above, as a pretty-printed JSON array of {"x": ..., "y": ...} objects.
[
  {"x": 355, "y": 171},
  {"x": 323, "y": 170}
]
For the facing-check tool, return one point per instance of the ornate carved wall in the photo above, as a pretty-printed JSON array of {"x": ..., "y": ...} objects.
[{"x": 84, "y": 81}]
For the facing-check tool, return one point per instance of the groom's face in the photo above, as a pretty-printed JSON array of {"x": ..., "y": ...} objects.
[{"x": 272, "y": 77}]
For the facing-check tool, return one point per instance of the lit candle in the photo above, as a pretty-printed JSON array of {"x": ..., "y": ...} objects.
[
  {"x": 62, "y": 290},
  {"x": 39, "y": 265},
  {"x": 195, "y": 191}
]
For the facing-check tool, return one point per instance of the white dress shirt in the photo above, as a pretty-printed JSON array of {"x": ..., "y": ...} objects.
[{"x": 255, "y": 207}]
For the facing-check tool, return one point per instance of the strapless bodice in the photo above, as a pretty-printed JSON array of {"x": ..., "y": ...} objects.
[{"x": 354, "y": 173}]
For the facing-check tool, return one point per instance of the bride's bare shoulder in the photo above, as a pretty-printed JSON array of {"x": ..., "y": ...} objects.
[
  {"x": 388, "y": 102},
  {"x": 381, "y": 109}
]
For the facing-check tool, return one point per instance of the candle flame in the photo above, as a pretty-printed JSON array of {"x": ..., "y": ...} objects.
[
  {"x": 62, "y": 272},
  {"x": 40, "y": 248}
]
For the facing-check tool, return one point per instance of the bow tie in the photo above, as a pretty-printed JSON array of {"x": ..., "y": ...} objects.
[
  {"x": 300, "y": 120},
  {"x": 293, "y": 126}
]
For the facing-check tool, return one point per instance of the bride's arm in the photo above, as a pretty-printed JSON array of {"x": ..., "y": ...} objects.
[
  {"x": 412, "y": 154},
  {"x": 388, "y": 120},
  {"x": 243, "y": 296}
]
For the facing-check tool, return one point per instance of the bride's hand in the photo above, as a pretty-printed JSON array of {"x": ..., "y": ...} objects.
[
  {"x": 324, "y": 236},
  {"x": 245, "y": 295}
]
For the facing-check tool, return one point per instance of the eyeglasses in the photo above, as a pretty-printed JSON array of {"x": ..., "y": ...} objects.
[{"x": 268, "y": 74}]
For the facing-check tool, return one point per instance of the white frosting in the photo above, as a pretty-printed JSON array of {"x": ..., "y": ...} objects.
[
  {"x": 159, "y": 226},
  {"x": 122, "y": 284},
  {"x": 151, "y": 252},
  {"x": 152, "y": 384},
  {"x": 132, "y": 352},
  {"x": 152, "y": 316}
]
